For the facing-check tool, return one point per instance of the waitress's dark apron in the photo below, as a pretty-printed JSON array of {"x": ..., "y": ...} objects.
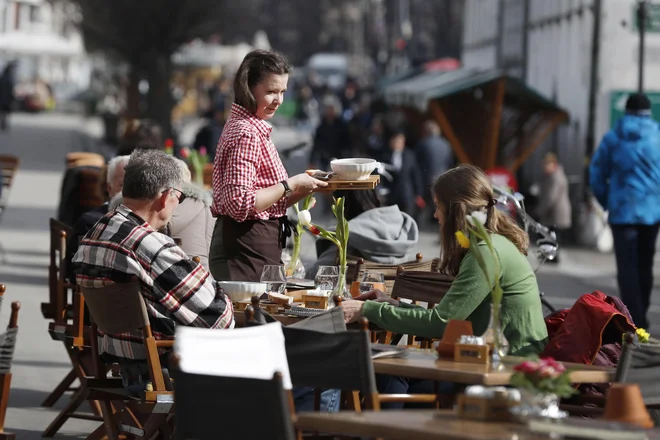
[{"x": 240, "y": 250}]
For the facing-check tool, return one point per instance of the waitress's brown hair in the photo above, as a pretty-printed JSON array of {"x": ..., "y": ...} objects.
[
  {"x": 255, "y": 66},
  {"x": 459, "y": 192}
]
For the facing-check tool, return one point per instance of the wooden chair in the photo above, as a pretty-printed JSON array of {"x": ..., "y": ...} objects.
[
  {"x": 76, "y": 338},
  {"x": 204, "y": 361},
  {"x": 115, "y": 309},
  {"x": 252, "y": 409},
  {"x": 639, "y": 363},
  {"x": 419, "y": 286},
  {"x": 7, "y": 345},
  {"x": 58, "y": 308},
  {"x": 389, "y": 271},
  {"x": 58, "y": 285},
  {"x": 8, "y": 168}
]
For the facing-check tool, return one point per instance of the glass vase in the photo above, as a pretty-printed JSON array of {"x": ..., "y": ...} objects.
[
  {"x": 342, "y": 289},
  {"x": 537, "y": 404},
  {"x": 295, "y": 269},
  {"x": 494, "y": 336}
]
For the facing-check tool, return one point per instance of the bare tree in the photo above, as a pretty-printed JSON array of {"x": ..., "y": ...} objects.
[{"x": 146, "y": 33}]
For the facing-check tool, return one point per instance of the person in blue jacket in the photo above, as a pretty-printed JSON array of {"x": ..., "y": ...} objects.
[{"x": 625, "y": 179}]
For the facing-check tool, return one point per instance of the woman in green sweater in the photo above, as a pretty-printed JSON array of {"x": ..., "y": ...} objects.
[{"x": 457, "y": 194}]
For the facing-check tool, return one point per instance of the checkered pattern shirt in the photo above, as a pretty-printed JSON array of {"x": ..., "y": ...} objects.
[
  {"x": 246, "y": 161},
  {"x": 177, "y": 291}
]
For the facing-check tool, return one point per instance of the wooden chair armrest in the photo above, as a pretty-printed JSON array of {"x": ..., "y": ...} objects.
[
  {"x": 168, "y": 343},
  {"x": 423, "y": 398},
  {"x": 104, "y": 383}
]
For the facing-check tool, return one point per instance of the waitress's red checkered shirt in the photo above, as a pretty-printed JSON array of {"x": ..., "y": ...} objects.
[{"x": 246, "y": 160}]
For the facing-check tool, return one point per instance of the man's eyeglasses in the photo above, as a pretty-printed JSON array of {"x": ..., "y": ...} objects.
[{"x": 182, "y": 196}]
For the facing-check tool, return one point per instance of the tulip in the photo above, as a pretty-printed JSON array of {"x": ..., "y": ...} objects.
[
  {"x": 202, "y": 151},
  {"x": 312, "y": 203},
  {"x": 314, "y": 230},
  {"x": 169, "y": 143},
  {"x": 477, "y": 217},
  {"x": 463, "y": 241},
  {"x": 185, "y": 152},
  {"x": 304, "y": 218}
]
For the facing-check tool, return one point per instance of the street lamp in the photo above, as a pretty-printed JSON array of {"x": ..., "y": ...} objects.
[{"x": 642, "y": 13}]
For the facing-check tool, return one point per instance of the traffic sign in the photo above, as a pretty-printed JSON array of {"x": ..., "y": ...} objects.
[
  {"x": 618, "y": 100},
  {"x": 652, "y": 18}
]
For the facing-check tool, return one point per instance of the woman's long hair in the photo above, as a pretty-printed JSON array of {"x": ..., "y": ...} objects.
[{"x": 458, "y": 193}]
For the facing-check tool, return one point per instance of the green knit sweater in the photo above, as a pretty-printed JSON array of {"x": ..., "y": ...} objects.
[{"x": 469, "y": 298}]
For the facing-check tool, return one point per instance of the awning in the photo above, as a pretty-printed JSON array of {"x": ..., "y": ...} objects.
[
  {"x": 512, "y": 118},
  {"x": 418, "y": 90}
]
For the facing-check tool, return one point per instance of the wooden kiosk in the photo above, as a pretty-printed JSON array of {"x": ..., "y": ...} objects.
[{"x": 489, "y": 118}]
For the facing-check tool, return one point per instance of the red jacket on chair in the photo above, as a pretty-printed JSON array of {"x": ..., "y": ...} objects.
[{"x": 590, "y": 332}]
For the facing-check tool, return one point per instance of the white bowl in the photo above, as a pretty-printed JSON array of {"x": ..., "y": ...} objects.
[
  {"x": 242, "y": 290},
  {"x": 354, "y": 168}
]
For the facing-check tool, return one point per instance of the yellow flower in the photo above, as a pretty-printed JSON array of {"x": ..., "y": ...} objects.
[
  {"x": 642, "y": 335},
  {"x": 463, "y": 241}
]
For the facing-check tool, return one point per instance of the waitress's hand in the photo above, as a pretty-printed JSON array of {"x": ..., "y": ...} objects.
[
  {"x": 352, "y": 310},
  {"x": 305, "y": 184}
]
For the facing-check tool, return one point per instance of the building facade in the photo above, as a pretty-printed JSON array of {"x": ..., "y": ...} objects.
[{"x": 41, "y": 36}]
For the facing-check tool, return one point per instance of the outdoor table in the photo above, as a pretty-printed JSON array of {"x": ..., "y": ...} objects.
[
  {"x": 424, "y": 364},
  {"x": 410, "y": 425}
]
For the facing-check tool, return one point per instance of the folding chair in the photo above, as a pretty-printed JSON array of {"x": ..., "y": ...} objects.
[
  {"x": 418, "y": 286},
  {"x": 389, "y": 271},
  {"x": 76, "y": 338},
  {"x": 120, "y": 308},
  {"x": 8, "y": 168},
  {"x": 7, "y": 345},
  {"x": 241, "y": 374}
]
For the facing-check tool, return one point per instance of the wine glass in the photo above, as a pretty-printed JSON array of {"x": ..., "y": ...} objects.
[
  {"x": 275, "y": 278},
  {"x": 327, "y": 278}
]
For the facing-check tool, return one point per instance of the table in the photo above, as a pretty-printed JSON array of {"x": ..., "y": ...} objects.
[
  {"x": 424, "y": 364},
  {"x": 411, "y": 425}
]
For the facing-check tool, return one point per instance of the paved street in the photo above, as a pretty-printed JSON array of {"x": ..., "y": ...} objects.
[{"x": 42, "y": 142}]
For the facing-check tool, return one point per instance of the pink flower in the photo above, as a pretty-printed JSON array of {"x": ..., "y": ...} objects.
[
  {"x": 550, "y": 362},
  {"x": 185, "y": 152},
  {"x": 202, "y": 151},
  {"x": 526, "y": 367},
  {"x": 548, "y": 371}
]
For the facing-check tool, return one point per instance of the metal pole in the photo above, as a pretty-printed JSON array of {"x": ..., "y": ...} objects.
[{"x": 641, "y": 24}]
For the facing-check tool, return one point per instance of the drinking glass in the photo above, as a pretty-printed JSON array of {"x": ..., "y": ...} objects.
[
  {"x": 275, "y": 278},
  {"x": 327, "y": 278}
]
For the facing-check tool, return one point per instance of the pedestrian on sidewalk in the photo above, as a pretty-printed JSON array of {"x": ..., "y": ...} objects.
[
  {"x": 7, "y": 83},
  {"x": 554, "y": 208},
  {"x": 625, "y": 179}
]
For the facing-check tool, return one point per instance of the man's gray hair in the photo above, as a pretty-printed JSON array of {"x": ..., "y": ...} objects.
[
  {"x": 114, "y": 163},
  {"x": 149, "y": 173},
  {"x": 185, "y": 171}
]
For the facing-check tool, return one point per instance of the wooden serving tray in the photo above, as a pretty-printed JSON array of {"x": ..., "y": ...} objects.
[{"x": 335, "y": 183}]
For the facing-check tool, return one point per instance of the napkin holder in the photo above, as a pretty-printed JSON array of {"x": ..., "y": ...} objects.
[
  {"x": 493, "y": 408},
  {"x": 471, "y": 349},
  {"x": 453, "y": 332},
  {"x": 319, "y": 302}
]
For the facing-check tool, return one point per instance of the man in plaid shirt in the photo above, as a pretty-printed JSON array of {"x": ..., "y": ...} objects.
[{"x": 126, "y": 243}]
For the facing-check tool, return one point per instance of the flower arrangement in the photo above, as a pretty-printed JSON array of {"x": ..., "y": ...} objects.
[
  {"x": 476, "y": 232},
  {"x": 198, "y": 160},
  {"x": 545, "y": 376},
  {"x": 339, "y": 237},
  {"x": 304, "y": 218}
]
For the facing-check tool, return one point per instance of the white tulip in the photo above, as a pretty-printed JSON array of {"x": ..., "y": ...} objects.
[
  {"x": 477, "y": 216},
  {"x": 305, "y": 218}
]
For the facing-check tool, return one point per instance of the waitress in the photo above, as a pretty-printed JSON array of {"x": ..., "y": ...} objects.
[{"x": 251, "y": 188}]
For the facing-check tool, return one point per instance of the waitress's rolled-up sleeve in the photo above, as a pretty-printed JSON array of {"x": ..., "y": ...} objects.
[{"x": 237, "y": 191}]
